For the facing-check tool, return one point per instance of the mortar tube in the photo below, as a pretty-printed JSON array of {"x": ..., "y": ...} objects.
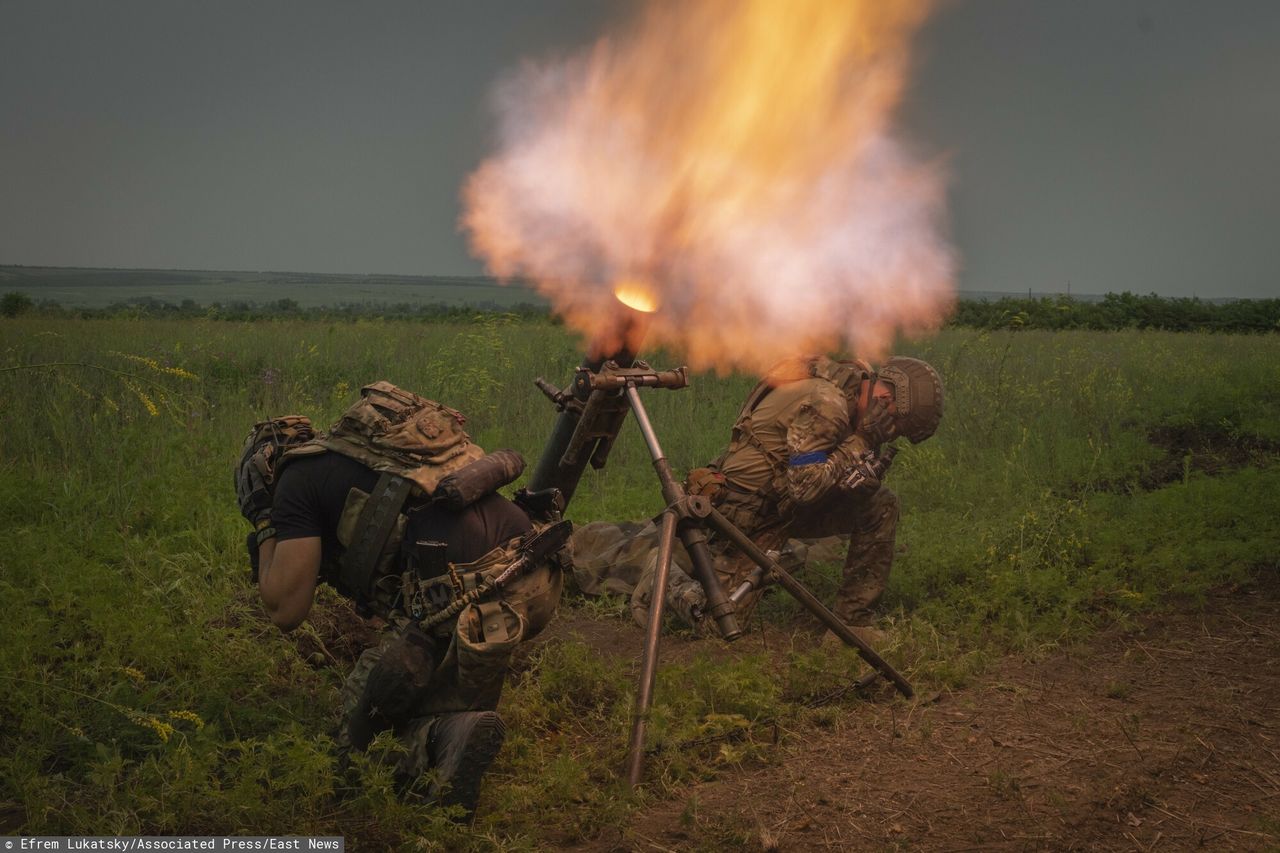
[{"x": 549, "y": 473}]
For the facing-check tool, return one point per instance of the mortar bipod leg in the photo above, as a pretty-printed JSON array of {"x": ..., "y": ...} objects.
[
  {"x": 810, "y": 601},
  {"x": 649, "y": 661},
  {"x": 718, "y": 606}
]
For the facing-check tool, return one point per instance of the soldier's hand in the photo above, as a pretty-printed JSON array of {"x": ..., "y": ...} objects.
[
  {"x": 706, "y": 482},
  {"x": 876, "y": 425},
  {"x": 862, "y": 479}
]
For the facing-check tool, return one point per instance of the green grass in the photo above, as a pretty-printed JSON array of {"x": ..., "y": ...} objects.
[{"x": 144, "y": 693}]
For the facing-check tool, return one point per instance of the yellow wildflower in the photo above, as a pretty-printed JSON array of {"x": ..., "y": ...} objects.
[{"x": 188, "y": 716}]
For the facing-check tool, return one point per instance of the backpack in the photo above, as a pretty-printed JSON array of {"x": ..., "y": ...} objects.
[
  {"x": 397, "y": 432},
  {"x": 414, "y": 444}
]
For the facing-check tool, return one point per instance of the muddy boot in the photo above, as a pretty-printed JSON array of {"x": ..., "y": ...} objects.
[{"x": 462, "y": 747}]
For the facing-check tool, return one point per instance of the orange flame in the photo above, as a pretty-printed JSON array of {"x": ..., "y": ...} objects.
[
  {"x": 738, "y": 157},
  {"x": 637, "y": 296}
]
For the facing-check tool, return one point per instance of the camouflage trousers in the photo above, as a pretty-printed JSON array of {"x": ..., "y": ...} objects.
[
  {"x": 622, "y": 559},
  {"x": 414, "y": 735},
  {"x": 413, "y": 680},
  {"x": 871, "y": 521},
  {"x": 425, "y": 679}
]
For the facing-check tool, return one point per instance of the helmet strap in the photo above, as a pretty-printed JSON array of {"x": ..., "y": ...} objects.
[{"x": 864, "y": 398}]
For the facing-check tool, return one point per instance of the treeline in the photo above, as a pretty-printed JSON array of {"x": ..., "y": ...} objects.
[
  {"x": 1120, "y": 311},
  {"x": 1113, "y": 311},
  {"x": 13, "y": 304}
]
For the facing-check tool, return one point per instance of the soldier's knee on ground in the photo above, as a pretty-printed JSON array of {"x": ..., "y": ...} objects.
[{"x": 398, "y": 682}]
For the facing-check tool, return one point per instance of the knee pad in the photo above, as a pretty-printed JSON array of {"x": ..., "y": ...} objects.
[{"x": 399, "y": 681}]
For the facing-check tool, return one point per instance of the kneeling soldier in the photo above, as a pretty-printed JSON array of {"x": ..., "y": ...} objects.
[
  {"x": 397, "y": 509},
  {"x": 804, "y": 461}
]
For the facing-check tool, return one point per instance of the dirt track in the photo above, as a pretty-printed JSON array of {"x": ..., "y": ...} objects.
[{"x": 1166, "y": 738}]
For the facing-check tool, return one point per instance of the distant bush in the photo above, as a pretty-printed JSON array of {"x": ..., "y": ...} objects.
[
  {"x": 14, "y": 303},
  {"x": 1121, "y": 311},
  {"x": 146, "y": 307}
]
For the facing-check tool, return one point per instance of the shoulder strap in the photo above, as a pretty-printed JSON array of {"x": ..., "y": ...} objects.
[
  {"x": 373, "y": 528},
  {"x": 741, "y": 427},
  {"x": 310, "y": 448}
]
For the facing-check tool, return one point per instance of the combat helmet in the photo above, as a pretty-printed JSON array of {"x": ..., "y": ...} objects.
[{"x": 917, "y": 393}]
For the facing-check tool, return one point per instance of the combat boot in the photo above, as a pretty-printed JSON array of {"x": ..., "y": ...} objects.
[{"x": 462, "y": 747}]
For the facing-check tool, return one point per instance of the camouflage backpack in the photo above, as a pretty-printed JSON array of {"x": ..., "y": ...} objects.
[
  {"x": 395, "y": 431},
  {"x": 255, "y": 473},
  {"x": 413, "y": 443}
]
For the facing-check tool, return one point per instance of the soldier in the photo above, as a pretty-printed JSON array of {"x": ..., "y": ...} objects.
[
  {"x": 799, "y": 435},
  {"x": 397, "y": 509}
]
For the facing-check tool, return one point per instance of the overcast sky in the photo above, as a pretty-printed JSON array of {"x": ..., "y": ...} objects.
[{"x": 1108, "y": 144}]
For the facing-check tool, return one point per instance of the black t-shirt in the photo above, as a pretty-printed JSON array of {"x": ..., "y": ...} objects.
[{"x": 313, "y": 490}]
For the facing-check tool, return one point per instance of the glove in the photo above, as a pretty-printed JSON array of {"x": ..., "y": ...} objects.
[
  {"x": 863, "y": 478},
  {"x": 693, "y": 600},
  {"x": 707, "y": 482},
  {"x": 876, "y": 425},
  {"x": 252, "y": 489}
]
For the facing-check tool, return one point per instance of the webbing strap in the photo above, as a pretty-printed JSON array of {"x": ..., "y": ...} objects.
[
  {"x": 748, "y": 435},
  {"x": 373, "y": 529},
  {"x": 493, "y": 622}
]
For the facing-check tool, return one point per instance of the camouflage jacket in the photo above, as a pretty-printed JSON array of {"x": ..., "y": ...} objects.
[{"x": 793, "y": 447}]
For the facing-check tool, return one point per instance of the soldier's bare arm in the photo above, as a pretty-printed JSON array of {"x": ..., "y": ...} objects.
[{"x": 287, "y": 579}]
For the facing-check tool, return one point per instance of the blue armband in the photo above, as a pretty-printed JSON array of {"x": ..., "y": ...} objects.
[{"x": 814, "y": 457}]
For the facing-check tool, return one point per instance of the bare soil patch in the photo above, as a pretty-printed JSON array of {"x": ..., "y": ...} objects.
[
  {"x": 1167, "y": 737},
  {"x": 1203, "y": 450}
]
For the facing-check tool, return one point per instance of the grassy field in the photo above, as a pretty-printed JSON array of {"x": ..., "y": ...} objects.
[{"x": 1078, "y": 479}]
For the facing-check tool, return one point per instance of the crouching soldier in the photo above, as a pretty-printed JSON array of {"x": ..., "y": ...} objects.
[
  {"x": 804, "y": 462},
  {"x": 397, "y": 509}
]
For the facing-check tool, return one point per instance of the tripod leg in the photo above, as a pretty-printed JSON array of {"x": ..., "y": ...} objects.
[
  {"x": 809, "y": 600},
  {"x": 649, "y": 662},
  {"x": 719, "y": 607}
]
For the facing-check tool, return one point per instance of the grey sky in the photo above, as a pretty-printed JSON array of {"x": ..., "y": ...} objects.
[{"x": 1112, "y": 144}]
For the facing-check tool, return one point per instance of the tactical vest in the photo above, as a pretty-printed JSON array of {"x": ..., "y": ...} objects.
[
  {"x": 756, "y": 509},
  {"x": 415, "y": 444}
]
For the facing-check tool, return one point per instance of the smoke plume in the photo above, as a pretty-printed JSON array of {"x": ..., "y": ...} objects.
[{"x": 738, "y": 160}]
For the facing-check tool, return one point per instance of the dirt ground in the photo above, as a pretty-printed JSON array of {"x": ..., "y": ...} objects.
[{"x": 1164, "y": 738}]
